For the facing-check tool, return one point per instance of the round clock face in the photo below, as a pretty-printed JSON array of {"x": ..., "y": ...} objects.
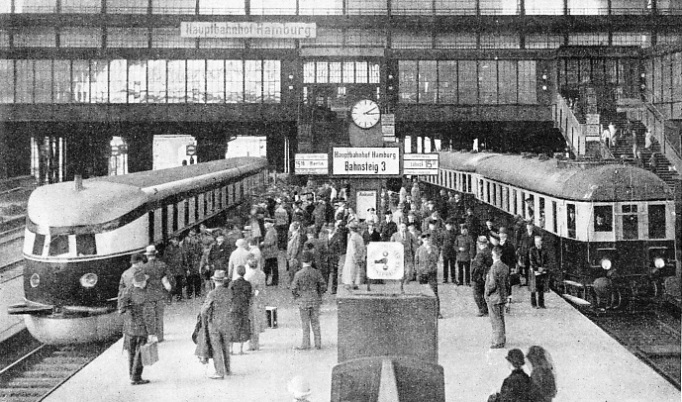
[{"x": 366, "y": 113}]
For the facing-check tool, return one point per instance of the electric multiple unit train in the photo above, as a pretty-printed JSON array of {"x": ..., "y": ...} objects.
[{"x": 611, "y": 226}]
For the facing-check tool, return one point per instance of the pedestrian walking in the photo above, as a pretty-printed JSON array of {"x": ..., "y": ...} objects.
[
  {"x": 496, "y": 296},
  {"x": 426, "y": 264},
  {"x": 410, "y": 246},
  {"x": 216, "y": 312},
  {"x": 270, "y": 253},
  {"x": 240, "y": 312},
  {"x": 539, "y": 261},
  {"x": 158, "y": 286},
  {"x": 480, "y": 266},
  {"x": 353, "y": 268},
  {"x": 465, "y": 252},
  {"x": 307, "y": 288},
  {"x": 543, "y": 376},
  {"x": 517, "y": 386},
  {"x": 174, "y": 259},
  {"x": 139, "y": 323},
  {"x": 256, "y": 278}
]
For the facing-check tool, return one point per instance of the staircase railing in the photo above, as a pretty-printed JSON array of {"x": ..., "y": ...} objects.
[
  {"x": 655, "y": 121},
  {"x": 568, "y": 124}
]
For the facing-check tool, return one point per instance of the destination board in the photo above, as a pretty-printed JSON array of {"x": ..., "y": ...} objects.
[
  {"x": 366, "y": 161},
  {"x": 420, "y": 164},
  {"x": 311, "y": 164}
]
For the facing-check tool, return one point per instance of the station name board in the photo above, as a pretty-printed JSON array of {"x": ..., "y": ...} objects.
[
  {"x": 263, "y": 30},
  {"x": 311, "y": 164},
  {"x": 366, "y": 161}
]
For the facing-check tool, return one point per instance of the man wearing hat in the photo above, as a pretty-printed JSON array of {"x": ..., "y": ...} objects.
[
  {"x": 410, "y": 246},
  {"x": 281, "y": 225},
  {"x": 216, "y": 312},
  {"x": 270, "y": 252},
  {"x": 449, "y": 252},
  {"x": 319, "y": 215},
  {"x": 308, "y": 287},
  {"x": 466, "y": 251},
  {"x": 525, "y": 243},
  {"x": 218, "y": 258},
  {"x": 338, "y": 243},
  {"x": 174, "y": 259},
  {"x": 139, "y": 323},
  {"x": 158, "y": 285},
  {"x": 372, "y": 216},
  {"x": 353, "y": 267},
  {"x": 387, "y": 227},
  {"x": 480, "y": 266},
  {"x": 426, "y": 265},
  {"x": 496, "y": 284},
  {"x": 518, "y": 386},
  {"x": 136, "y": 263}
]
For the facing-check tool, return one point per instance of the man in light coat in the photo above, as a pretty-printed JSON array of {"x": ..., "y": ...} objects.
[
  {"x": 158, "y": 286},
  {"x": 353, "y": 268},
  {"x": 238, "y": 257},
  {"x": 410, "y": 245},
  {"x": 496, "y": 285}
]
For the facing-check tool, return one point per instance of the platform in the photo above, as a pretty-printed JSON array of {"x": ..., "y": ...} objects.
[{"x": 590, "y": 365}]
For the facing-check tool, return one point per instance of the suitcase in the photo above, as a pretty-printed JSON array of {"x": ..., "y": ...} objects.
[
  {"x": 149, "y": 353},
  {"x": 271, "y": 314}
]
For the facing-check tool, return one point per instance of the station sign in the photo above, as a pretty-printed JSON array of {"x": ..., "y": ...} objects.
[
  {"x": 388, "y": 125},
  {"x": 592, "y": 130},
  {"x": 385, "y": 260},
  {"x": 420, "y": 164},
  {"x": 592, "y": 118},
  {"x": 366, "y": 161},
  {"x": 311, "y": 164},
  {"x": 191, "y": 150},
  {"x": 262, "y": 30}
]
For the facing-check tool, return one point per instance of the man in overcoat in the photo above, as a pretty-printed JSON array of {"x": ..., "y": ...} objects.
[
  {"x": 308, "y": 287},
  {"x": 496, "y": 285},
  {"x": 158, "y": 286},
  {"x": 410, "y": 246},
  {"x": 216, "y": 312}
]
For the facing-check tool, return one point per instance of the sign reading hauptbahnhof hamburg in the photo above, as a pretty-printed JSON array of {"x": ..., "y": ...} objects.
[
  {"x": 366, "y": 161},
  {"x": 264, "y": 30}
]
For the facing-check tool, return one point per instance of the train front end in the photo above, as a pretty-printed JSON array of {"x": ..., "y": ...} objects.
[{"x": 77, "y": 243}]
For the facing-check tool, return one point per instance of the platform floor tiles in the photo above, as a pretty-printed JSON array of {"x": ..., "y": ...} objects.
[{"x": 590, "y": 365}]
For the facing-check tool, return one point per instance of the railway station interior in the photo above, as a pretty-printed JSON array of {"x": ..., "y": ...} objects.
[{"x": 92, "y": 88}]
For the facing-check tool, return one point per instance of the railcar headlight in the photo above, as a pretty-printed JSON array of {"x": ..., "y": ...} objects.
[
  {"x": 88, "y": 280},
  {"x": 35, "y": 280},
  {"x": 659, "y": 263},
  {"x": 606, "y": 264}
]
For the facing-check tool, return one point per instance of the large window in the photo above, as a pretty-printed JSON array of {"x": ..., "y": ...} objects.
[
  {"x": 272, "y": 81},
  {"x": 234, "y": 81},
  {"x": 215, "y": 81},
  {"x": 177, "y": 81},
  {"x": 35, "y": 6},
  {"x": 80, "y": 37},
  {"x": 156, "y": 83},
  {"x": 253, "y": 81},
  {"x": 137, "y": 81},
  {"x": 99, "y": 81},
  {"x": 81, "y": 6},
  {"x": 630, "y": 222},
  {"x": 468, "y": 82},
  {"x": 24, "y": 81},
  {"x": 196, "y": 81},
  {"x": 408, "y": 81},
  {"x": 657, "y": 222},
  {"x": 174, "y": 6},
  {"x": 273, "y": 7},
  {"x": 428, "y": 82},
  {"x": 221, "y": 7},
  {"x": 6, "y": 81},
  {"x": 118, "y": 85}
]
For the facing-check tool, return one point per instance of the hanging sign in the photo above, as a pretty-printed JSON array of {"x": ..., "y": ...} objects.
[
  {"x": 420, "y": 164},
  {"x": 366, "y": 161},
  {"x": 263, "y": 30},
  {"x": 311, "y": 164}
]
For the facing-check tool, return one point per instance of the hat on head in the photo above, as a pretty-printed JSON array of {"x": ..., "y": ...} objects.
[
  {"x": 515, "y": 357},
  {"x": 219, "y": 276},
  {"x": 150, "y": 250},
  {"x": 307, "y": 257},
  {"x": 482, "y": 239},
  {"x": 135, "y": 258},
  {"x": 139, "y": 278},
  {"x": 425, "y": 236},
  {"x": 371, "y": 209}
]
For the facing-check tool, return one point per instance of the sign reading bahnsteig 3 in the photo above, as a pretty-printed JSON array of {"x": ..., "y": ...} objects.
[
  {"x": 264, "y": 30},
  {"x": 366, "y": 161}
]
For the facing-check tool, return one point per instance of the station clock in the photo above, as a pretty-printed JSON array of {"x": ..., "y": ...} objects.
[{"x": 366, "y": 113}]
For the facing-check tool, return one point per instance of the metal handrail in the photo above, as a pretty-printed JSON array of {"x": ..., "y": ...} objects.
[{"x": 568, "y": 123}]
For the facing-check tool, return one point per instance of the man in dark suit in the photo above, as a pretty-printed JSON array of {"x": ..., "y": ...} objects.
[
  {"x": 539, "y": 260},
  {"x": 496, "y": 285},
  {"x": 308, "y": 287},
  {"x": 449, "y": 252},
  {"x": 139, "y": 323},
  {"x": 387, "y": 227},
  {"x": 216, "y": 312}
]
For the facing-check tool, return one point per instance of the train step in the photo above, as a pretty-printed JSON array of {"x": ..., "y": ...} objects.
[
  {"x": 59, "y": 360},
  {"x": 576, "y": 300},
  {"x": 43, "y": 374},
  {"x": 57, "y": 367},
  {"x": 33, "y": 382}
]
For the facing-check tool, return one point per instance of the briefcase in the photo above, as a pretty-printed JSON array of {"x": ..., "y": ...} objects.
[
  {"x": 149, "y": 353},
  {"x": 271, "y": 314}
]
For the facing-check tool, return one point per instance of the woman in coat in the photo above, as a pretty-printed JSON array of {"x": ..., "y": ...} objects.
[
  {"x": 256, "y": 278},
  {"x": 239, "y": 315},
  {"x": 543, "y": 377}
]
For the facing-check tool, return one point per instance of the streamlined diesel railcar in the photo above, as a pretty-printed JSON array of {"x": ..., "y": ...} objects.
[
  {"x": 610, "y": 226},
  {"x": 79, "y": 238}
]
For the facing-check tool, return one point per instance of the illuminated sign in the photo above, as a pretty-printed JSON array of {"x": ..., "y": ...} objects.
[
  {"x": 420, "y": 164},
  {"x": 311, "y": 164},
  {"x": 366, "y": 161},
  {"x": 264, "y": 30}
]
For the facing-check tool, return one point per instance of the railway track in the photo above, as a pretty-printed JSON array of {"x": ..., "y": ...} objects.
[
  {"x": 42, "y": 369},
  {"x": 653, "y": 336}
]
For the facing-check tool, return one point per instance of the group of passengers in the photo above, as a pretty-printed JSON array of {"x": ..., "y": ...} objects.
[{"x": 309, "y": 239}]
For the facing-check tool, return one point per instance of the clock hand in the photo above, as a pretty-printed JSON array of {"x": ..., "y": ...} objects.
[{"x": 367, "y": 112}]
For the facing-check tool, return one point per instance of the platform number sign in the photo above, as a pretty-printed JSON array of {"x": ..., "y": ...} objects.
[
  {"x": 115, "y": 151},
  {"x": 191, "y": 150}
]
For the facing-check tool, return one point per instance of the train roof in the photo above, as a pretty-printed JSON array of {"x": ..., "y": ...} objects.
[
  {"x": 104, "y": 199},
  {"x": 567, "y": 179},
  {"x": 463, "y": 161},
  {"x": 152, "y": 178}
]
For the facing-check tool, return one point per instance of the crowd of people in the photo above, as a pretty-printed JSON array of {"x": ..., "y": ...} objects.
[{"x": 311, "y": 241}]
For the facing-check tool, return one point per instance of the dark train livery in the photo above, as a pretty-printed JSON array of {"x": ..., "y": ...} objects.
[
  {"x": 611, "y": 226},
  {"x": 78, "y": 239}
]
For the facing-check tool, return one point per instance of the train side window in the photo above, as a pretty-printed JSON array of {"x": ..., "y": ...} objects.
[
  {"x": 175, "y": 218},
  {"x": 554, "y": 218},
  {"x": 630, "y": 222},
  {"x": 186, "y": 217},
  {"x": 59, "y": 245},
  {"x": 469, "y": 183},
  {"x": 656, "y": 221},
  {"x": 85, "y": 244},
  {"x": 570, "y": 220},
  {"x": 487, "y": 192},
  {"x": 530, "y": 208},
  {"x": 542, "y": 213},
  {"x": 515, "y": 202},
  {"x": 205, "y": 210},
  {"x": 38, "y": 244},
  {"x": 603, "y": 218},
  {"x": 196, "y": 208}
]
